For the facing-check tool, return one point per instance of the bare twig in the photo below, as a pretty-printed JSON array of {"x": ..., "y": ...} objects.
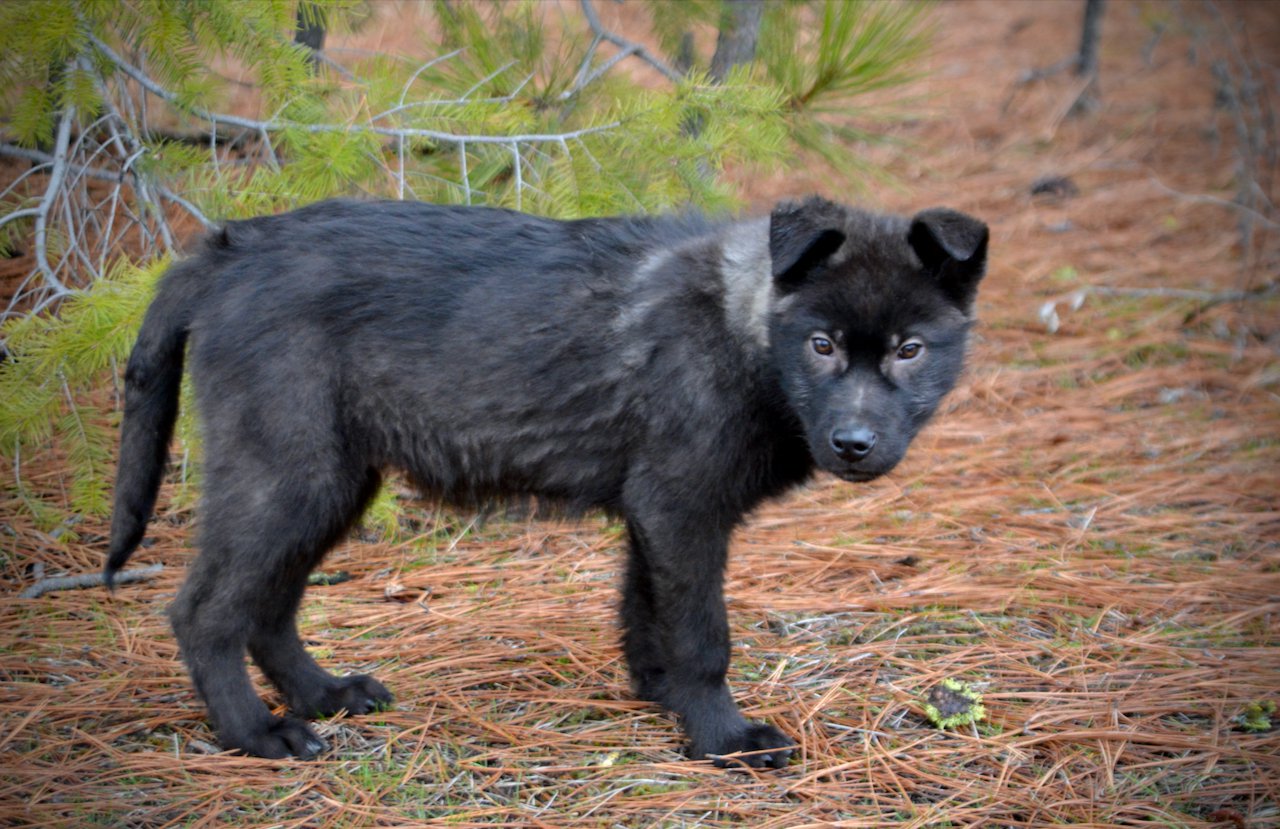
[
  {"x": 1048, "y": 310},
  {"x": 99, "y": 173},
  {"x": 1204, "y": 198},
  {"x": 593, "y": 20},
  {"x": 1261, "y": 292},
  {"x": 166, "y": 193},
  {"x": 466, "y": 180},
  {"x": 83, "y": 580},
  {"x": 57, "y": 172},
  {"x": 423, "y": 68},
  {"x": 585, "y": 78}
]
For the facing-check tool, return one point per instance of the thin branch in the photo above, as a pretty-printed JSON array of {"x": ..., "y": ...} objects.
[
  {"x": 44, "y": 158},
  {"x": 515, "y": 153},
  {"x": 346, "y": 73},
  {"x": 400, "y": 169},
  {"x": 1204, "y": 198},
  {"x": 588, "y": 11},
  {"x": 19, "y": 214},
  {"x": 83, "y": 580},
  {"x": 57, "y": 172},
  {"x": 1260, "y": 292},
  {"x": 276, "y": 125},
  {"x": 166, "y": 193},
  {"x": 586, "y": 79},
  {"x": 423, "y": 68},
  {"x": 466, "y": 180},
  {"x": 495, "y": 73},
  {"x": 102, "y": 175},
  {"x": 463, "y": 99},
  {"x": 1048, "y": 310},
  {"x": 137, "y": 149},
  {"x": 578, "y": 83}
]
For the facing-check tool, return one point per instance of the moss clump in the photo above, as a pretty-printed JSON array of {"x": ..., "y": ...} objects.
[
  {"x": 1257, "y": 716},
  {"x": 951, "y": 703}
]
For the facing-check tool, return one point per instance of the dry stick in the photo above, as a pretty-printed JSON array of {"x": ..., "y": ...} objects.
[
  {"x": 1204, "y": 198},
  {"x": 639, "y": 51},
  {"x": 98, "y": 173},
  {"x": 1261, "y": 292},
  {"x": 88, "y": 580},
  {"x": 56, "y": 174}
]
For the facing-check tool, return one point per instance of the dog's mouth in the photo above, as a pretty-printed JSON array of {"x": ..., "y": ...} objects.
[{"x": 856, "y": 476}]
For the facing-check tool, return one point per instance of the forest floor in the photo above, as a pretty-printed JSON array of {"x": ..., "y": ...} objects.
[{"x": 1089, "y": 534}]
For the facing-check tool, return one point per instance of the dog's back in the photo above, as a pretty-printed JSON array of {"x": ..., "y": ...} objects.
[{"x": 480, "y": 350}]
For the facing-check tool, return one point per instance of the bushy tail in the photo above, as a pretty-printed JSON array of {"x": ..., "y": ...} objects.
[{"x": 152, "y": 379}]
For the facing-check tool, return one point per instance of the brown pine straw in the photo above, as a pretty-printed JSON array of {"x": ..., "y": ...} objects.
[{"x": 1088, "y": 536}]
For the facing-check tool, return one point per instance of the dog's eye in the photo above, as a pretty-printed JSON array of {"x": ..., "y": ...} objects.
[
  {"x": 823, "y": 346},
  {"x": 910, "y": 351}
]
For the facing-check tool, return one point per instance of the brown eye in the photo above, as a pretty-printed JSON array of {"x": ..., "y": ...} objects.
[
  {"x": 910, "y": 351},
  {"x": 823, "y": 346}
]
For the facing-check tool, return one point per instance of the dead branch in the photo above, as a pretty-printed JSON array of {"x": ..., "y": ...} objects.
[
  {"x": 629, "y": 47},
  {"x": 100, "y": 173},
  {"x": 83, "y": 580},
  {"x": 1203, "y": 198},
  {"x": 57, "y": 171}
]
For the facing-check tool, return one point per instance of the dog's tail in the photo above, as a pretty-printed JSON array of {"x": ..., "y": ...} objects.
[{"x": 153, "y": 378}]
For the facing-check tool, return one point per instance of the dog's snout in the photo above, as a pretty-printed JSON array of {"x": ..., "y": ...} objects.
[{"x": 853, "y": 444}]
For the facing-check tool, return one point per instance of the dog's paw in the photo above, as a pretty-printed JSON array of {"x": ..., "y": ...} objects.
[
  {"x": 277, "y": 739},
  {"x": 755, "y": 746},
  {"x": 355, "y": 694}
]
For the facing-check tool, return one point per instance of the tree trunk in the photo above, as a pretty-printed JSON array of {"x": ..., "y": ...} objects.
[
  {"x": 1087, "y": 59},
  {"x": 739, "y": 30},
  {"x": 310, "y": 29}
]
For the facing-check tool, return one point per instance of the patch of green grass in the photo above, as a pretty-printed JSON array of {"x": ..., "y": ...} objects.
[
  {"x": 1156, "y": 354},
  {"x": 1065, "y": 275}
]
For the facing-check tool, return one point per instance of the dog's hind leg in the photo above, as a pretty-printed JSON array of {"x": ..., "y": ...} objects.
[
  {"x": 263, "y": 531},
  {"x": 275, "y": 646}
]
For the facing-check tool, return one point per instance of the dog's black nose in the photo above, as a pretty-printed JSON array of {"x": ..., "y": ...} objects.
[{"x": 853, "y": 444}]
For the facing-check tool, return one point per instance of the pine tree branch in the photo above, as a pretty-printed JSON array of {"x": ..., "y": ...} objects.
[
  {"x": 632, "y": 48},
  {"x": 278, "y": 125}
]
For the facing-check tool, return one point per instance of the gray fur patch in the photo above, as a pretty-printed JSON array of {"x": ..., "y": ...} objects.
[{"x": 748, "y": 279}]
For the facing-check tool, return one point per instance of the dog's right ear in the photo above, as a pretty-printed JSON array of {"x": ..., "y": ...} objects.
[{"x": 801, "y": 235}]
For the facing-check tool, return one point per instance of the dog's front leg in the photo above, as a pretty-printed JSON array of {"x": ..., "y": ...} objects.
[{"x": 677, "y": 636}]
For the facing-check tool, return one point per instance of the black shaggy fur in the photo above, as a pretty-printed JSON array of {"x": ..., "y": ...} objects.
[{"x": 674, "y": 371}]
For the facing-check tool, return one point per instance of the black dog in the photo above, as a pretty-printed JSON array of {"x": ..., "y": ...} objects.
[{"x": 675, "y": 371}]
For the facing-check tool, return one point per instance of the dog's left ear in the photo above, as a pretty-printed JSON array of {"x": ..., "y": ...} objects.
[
  {"x": 952, "y": 247},
  {"x": 802, "y": 235}
]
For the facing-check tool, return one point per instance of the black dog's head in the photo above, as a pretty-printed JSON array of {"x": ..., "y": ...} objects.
[{"x": 869, "y": 323}]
